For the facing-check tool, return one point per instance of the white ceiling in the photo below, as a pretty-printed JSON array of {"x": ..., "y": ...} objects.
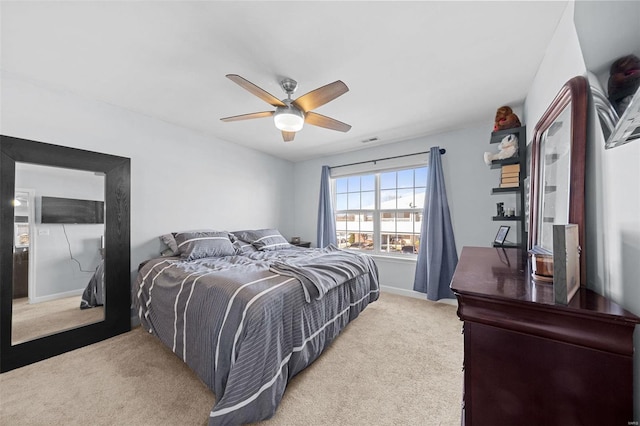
[{"x": 413, "y": 68}]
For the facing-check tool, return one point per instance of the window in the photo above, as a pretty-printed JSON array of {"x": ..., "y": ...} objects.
[{"x": 381, "y": 212}]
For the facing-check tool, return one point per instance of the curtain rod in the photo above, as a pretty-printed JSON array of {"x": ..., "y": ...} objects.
[{"x": 442, "y": 151}]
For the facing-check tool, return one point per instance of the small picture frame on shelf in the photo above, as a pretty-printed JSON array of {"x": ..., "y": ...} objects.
[{"x": 501, "y": 236}]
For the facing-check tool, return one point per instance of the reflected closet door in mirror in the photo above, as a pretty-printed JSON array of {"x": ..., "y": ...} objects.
[
  {"x": 557, "y": 188},
  {"x": 87, "y": 223}
]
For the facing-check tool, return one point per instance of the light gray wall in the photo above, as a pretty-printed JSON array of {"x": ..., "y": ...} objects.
[
  {"x": 55, "y": 273},
  {"x": 468, "y": 181},
  {"x": 180, "y": 179},
  {"x": 607, "y": 31},
  {"x": 612, "y": 176}
]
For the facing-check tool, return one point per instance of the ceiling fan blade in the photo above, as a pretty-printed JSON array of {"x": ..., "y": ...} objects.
[
  {"x": 321, "y": 96},
  {"x": 248, "y": 116},
  {"x": 249, "y": 86},
  {"x": 326, "y": 122},
  {"x": 288, "y": 136}
]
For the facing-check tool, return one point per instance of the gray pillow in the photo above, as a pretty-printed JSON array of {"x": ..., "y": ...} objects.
[
  {"x": 169, "y": 241},
  {"x": 199, "y": 244},
  {"x": 243, "y": 247},
  {"x": 263, "y": 239}
]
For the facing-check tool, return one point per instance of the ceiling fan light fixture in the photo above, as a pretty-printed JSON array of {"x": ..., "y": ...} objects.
[{"x": 288, "y": 119}]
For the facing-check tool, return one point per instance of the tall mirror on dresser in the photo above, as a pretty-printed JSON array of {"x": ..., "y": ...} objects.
[
  {"x": 558, "y": 168},
  {"x": 64, "y": 249}
]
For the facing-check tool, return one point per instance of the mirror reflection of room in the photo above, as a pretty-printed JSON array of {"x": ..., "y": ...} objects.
[
  {"x": 555, "y": 176},
  {"x": 58, "y": 280}
]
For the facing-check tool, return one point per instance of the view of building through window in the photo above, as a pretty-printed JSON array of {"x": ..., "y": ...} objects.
[{"x": 380, "y": 212}]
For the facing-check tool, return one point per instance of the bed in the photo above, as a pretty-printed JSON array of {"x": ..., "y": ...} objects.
[
  {"x": 93, "y": 294},
  {"x": 247, "y": 311}
]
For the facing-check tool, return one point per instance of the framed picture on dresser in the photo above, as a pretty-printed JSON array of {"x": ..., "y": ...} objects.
[{"x": 501, "y": 236}]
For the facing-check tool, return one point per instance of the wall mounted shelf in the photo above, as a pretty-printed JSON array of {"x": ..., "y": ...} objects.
[{"x": 519, "y": 191}]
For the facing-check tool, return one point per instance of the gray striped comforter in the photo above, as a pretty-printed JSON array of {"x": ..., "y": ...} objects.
[
  {"x": 319, "y": 274},
  {"x": 244, "y": 329}
]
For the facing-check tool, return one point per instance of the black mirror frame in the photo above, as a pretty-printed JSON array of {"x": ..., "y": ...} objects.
[
  {"x": 117, "y": 319},
  {"x": 573, "y": 91}
]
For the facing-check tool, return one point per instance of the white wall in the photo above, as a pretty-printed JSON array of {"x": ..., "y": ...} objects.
[
  {"x": 612, "y": 176},
  {"x": 612, "y": 206},
  {"x": 468, "y": 181},
  {"x": 179, "y": 179},
  {"x": 52, "y": 245},
  {"x": 608, "y": 30}
]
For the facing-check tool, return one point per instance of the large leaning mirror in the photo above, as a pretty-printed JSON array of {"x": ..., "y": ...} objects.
[
  {"x": 58, "y": 265},
  {"x": 64, "y": 249},
  {"x": 558, "y": 168}
]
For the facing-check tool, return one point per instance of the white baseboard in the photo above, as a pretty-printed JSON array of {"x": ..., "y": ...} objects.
[
  {"x": 414, "y": 294},
  {"x": 55, "y": 296},
  {"x": 403, "y": 292}
]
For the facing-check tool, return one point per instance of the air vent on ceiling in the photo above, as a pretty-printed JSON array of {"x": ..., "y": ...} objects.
[{"x": 370, "y": 140}]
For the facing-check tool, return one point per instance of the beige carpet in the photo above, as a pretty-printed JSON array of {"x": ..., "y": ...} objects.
[
  {"x": 40, "y": 319},
  {"x": 399, "y": 363}
]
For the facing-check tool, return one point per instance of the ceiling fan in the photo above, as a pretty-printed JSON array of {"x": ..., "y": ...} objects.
[{"x": 290, "y": 115}]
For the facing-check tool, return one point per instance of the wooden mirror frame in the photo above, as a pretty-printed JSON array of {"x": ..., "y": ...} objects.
[
  {"x": 573, "y": 92},
  {"x": 117, "y": 317}
]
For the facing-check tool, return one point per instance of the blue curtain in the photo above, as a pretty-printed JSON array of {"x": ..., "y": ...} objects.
[
  {"x": 326, "y": 216},
  {"x": 437, "y": 258}
]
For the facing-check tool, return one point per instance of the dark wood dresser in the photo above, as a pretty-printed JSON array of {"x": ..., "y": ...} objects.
[{"x": 528, "y": 361}]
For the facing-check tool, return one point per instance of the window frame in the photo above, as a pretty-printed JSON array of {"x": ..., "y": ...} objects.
[{"x": 377, "y": 211}]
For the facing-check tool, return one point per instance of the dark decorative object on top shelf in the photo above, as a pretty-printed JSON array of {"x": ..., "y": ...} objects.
[
  {"x": 505, "y": 119},
  {"x": 624, "y": 80}
]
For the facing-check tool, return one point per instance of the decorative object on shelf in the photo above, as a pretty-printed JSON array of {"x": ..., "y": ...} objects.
[
  {"x": 510, "y": 185},
  {"x": 501, "y": 236},
  {"x": 505, "y": 119},
  {"x": 566, "y": 259},
  {"x": 541, "y": 264},
  {"x": 511, "y": 168},
  {"x": 624, "y": 80},
  {"x": 295, "y": 240},
  {"x": 500, "y": 209},
  {"x": 508, "y": 148}
]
